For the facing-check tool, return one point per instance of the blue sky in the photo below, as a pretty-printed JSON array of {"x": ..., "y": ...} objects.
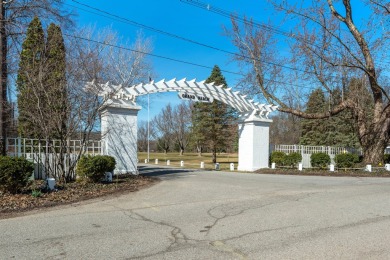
[{"x": 182, "y": 19}]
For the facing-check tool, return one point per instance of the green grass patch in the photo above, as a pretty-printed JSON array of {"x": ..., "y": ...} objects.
[{"x": 191, "y": 160}]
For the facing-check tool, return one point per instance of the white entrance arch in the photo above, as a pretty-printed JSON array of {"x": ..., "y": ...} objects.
[{"x": 119, "y": 119}]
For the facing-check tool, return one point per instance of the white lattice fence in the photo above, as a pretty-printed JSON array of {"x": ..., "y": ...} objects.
[
  {"x": 306, "y": 151},
  {"x": 38, "y": 151}
]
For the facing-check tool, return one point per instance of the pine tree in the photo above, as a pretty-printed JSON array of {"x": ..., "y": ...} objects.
[
  {"x": 212, "y": 121},
  {"x": 55, "y": 81},
  {"x": 313, "y": 130},
  {"x": 337, "y": 130},
  {"x": 29, "y": 78}
]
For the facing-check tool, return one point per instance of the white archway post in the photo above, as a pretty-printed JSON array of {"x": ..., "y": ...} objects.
[
  {"x": 119, "y": 119},
  {"x": 119, "y": 135},
  {"x": 253, "y": 144}
]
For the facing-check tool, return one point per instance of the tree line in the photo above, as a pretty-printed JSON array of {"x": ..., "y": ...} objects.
[{"x": 200, "y": 127}]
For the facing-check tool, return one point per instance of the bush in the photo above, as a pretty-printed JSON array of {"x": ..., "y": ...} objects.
[
  {"x": 321, "y": 160},
  {"x": 94, "y": 168},
  {"x": 278, "y": 157},
  {"x": 292, "y": 159},
  {"x": 14, "y": 173},
  {"x": 386, "y": 158},
  {"x": 111, "y": 163},
  {"x": 346, "y": 160}
]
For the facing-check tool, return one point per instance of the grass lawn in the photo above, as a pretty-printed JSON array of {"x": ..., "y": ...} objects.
[{"x": 191, "y": 160}]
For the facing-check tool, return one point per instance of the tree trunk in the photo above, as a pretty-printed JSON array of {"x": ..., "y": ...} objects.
[
  {"x": 3, "y": 80},
  {"x": 374, "y": 139},
  {"x": 214, "y": 155},
  {"x": 181, "y": 151},
  {"x": 199, "y": 150}
]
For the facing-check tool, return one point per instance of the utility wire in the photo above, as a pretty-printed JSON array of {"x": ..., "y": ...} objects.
[
  {"x": 143, "y": 26},
  {"x": 173, "y": 59}
]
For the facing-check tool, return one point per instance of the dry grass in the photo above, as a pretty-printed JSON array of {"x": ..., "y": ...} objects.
[{"x": 191, "y": 160}]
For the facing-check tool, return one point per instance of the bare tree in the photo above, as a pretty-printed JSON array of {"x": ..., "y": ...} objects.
[
  {"x": 181, "y": 125},
  {"x": 163, "y": 131},
  {"x": 142, "y": 135},
  {"x": 328, "y": 50},
  {"x": 87, "y": 67}
]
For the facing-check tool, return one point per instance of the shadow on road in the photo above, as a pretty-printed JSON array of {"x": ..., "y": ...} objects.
[{"x": 165, "y": 172}]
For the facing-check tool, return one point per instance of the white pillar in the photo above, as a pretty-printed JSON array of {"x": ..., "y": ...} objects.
[
  {"x": 368, "y": 167},
  {"x": 232, "y": 166},
  {"x": 253, "y": 146},
  {"x": 168, "y": 162},
  {"x": 331, "y": 167},
  {"x": 156, "y": 161},
  {"x": 119, "y": 134},
  {"x": 273, "y": 165},
  {"x": 182, "y": 163},
  {"x": 300, "y": 167},
  {"x": 387, "y": 167},
  {"x": 202, "y": 165}
]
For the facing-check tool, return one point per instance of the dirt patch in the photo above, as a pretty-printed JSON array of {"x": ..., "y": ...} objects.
[{"x": 33, "y": 199}]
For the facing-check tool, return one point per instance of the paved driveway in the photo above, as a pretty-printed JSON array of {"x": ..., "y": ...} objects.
[{"x": 215, "y": 215}]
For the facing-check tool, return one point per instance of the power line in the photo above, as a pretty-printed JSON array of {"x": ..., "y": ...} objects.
[
  {"x": 150, "y": 28},
  {"x": 173, "y": 59}
]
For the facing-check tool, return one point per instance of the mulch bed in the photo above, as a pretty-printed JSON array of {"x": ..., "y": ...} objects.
[
  {"x": 12, "y": 205},
  {"x": 339, "y": 173}
]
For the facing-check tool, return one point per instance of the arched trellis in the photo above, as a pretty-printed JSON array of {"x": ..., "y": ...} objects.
[
  {"x": 126, "y": 95},
  {"x": 119, "y": 119}
]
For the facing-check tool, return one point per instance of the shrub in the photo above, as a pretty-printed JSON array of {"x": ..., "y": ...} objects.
[
  {"x": 346, "y": 160},
  {"x": 278, "y": 157},
  {"x": 321, "y": 160},
  {"x": 94, "y": 167},
  {"x": 111, "y": 163},
  {"x": 292, "y": 159},
  {"x": 14, "y": 173},
  {"x": 386, "y": 158}
]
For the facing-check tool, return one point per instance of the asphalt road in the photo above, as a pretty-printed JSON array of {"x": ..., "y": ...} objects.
[{"x": 214, "y": 215}]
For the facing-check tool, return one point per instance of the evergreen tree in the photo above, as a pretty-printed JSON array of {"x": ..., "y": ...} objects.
[
  {"x": 313, "y": 130},
  {"x": 55, "y": 81},
  {"x": 28, "y": 79},
  {"x": 41, "y": 83},
  {"x": 337, "y": 130},
  {"x": 211, "y": 122},
  {"x": 340, "y": 130}
]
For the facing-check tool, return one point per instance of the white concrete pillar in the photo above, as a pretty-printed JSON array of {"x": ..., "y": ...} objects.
[
  {"x": 387, "y": 167},
  {"x": 300, "y": 167},
  {"x": 232, "y": 166},
  {"x": 202, "y": 165},
  {"x": 119, "y": 134},
  {"x": 168, "y": 162},
  {"x": 253, "y": 146},
  {"x": 146, "y": 160},
  {"x": 182, "y": 163},
  {"x": 156, "y": 161},
  {"x": 273, "y": 165},
  {"x": 331, "y": 168},
  {"x": 368, "y": 167}
]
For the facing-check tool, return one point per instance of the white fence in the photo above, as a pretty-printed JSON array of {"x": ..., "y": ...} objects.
[
  {"x": 45, "y": 155},
  {"x": 306, "y": 151}
]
